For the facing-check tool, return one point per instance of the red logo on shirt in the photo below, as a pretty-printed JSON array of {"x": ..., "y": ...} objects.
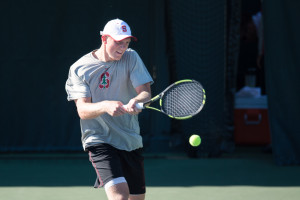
[{"x": 104, "y": 81}]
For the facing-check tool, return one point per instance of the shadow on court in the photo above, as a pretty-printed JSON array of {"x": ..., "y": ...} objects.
[{"x": 242, "y": 168}]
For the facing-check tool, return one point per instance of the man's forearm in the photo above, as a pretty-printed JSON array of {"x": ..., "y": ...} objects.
[
  {"x": 90, "y": 110},
  {"x": 144, "y": 93},
  {"x": 143, "y": 96}
]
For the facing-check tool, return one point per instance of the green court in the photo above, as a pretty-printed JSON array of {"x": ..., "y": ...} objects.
[{"x": 244, "y": 175}]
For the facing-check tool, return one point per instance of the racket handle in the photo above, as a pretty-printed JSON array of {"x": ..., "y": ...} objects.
[{"x": 138, "y": 106}]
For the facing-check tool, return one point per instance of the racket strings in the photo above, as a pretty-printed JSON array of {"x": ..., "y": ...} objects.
[{"x": 183, "y": 99}]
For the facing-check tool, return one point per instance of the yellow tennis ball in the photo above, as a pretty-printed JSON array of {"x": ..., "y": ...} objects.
[{"x": 195, "y": 140}]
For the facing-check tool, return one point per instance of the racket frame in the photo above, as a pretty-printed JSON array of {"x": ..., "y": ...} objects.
[{"x": 159, "y": 97}]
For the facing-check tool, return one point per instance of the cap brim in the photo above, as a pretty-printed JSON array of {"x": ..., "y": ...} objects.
[{"x": 121, "y": 37}]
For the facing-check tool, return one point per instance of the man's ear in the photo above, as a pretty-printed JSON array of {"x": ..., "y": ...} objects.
[{"x": 104, "y": 39}]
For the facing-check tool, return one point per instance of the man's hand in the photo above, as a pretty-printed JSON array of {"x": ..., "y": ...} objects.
[
  {"x": 115, "y": 108},
  {"x": 131, "y": 108}
]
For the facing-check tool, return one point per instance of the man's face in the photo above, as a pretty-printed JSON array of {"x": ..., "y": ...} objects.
[{"x": 116, "y": 49}]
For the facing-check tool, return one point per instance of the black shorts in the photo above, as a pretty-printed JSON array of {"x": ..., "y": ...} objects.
[{"x": 111, "y": 163}]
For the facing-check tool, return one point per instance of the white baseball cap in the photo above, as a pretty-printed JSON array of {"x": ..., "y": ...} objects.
[{"x": 118, "y": 30}]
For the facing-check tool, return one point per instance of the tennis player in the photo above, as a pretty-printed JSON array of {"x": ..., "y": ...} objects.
[{"x": 100, "y": 83}]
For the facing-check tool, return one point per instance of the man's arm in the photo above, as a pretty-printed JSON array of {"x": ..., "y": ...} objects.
[
  {"x": 88, "y": 110},
  {"x": 144, "y": 94}
]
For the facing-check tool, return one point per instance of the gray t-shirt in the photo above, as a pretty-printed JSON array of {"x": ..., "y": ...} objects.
[{"x": 116, "y": 80}]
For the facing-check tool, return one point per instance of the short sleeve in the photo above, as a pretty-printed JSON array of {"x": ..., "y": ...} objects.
[
  {"x": 75, "y": 86},
  {"x": 139, "y": 74}
]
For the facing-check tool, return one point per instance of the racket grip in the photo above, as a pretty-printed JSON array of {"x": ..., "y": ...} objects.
[{"x": 138, "y": 106}]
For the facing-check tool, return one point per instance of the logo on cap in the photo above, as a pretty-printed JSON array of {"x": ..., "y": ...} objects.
[{"x": 124, "y": 29}]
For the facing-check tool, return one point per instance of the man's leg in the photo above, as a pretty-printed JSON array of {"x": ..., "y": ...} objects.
[
  {"x": 137, "y": 197},
  {"x": 133, "y": 168},
  {"x": 119, "y": 191}
]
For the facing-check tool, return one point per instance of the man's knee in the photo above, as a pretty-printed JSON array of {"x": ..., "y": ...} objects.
[
  {"x": 119, "y": 191},
  {"x": 137, "y": 197}
]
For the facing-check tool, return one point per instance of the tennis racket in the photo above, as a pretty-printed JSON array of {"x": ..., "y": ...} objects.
[{"x": 181, "y": 100}]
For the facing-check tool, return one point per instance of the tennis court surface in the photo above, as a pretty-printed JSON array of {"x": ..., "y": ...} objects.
[{"x": 246, "y": 174}]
